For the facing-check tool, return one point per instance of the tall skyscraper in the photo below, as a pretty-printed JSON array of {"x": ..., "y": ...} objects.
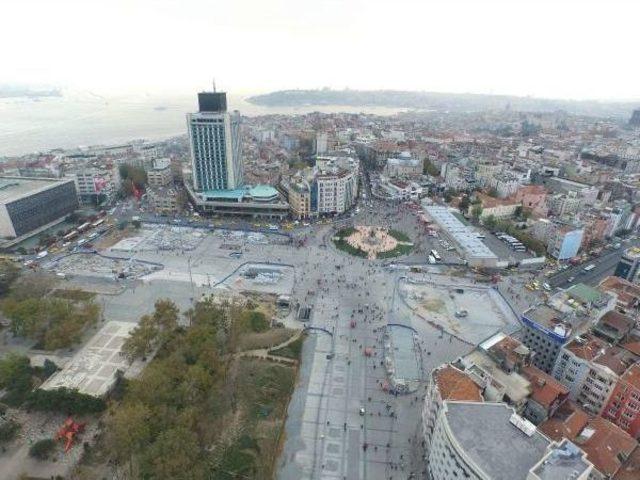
[{"x": 214, "y": 137}]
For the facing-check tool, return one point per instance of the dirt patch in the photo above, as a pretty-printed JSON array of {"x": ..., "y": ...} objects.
[{"x": 434, "y": 305}]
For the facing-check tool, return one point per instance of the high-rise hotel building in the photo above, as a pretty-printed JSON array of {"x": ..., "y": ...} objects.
[{"x": 215, "y": 141}]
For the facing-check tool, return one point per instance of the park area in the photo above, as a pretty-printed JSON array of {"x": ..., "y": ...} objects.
[
  {"x": 373, "y": 242},
  {"x": 170, "y": 395}
]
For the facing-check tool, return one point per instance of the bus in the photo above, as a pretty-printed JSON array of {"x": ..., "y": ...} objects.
[
  {"x": 71, "y": 235},
  {"x": 97, "y": 222},
  {"x": 588, "y": 268},
  {"x": 435, "y": 255}
]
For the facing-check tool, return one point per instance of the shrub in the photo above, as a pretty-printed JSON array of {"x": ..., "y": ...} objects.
[
  {"x": 257, "y": 321},
  {"x": 8, "y": 430},
  {"x": 64, "y": 400},
  {"x": 399, "y": 236},
  {"x": 42, "y": 449}
]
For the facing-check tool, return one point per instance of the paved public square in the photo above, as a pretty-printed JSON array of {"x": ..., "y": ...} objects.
[{"x": 345, "y": 419}]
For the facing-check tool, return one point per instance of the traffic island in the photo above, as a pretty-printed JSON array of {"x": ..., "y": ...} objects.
[{"x": 372, "y": 242}]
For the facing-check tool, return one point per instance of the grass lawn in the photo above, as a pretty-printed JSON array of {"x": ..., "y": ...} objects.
[
  {"x": 342, "y": 244},
  {"x": 396, "y": 252},
  {"x": 264, "y": 389},
  {"x": 75, "y": 295},
  {"x": 400, "y": 236},
  {"x": 290, "y": 351}
]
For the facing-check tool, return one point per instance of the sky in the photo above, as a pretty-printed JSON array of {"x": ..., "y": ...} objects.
[{"x": 581, "y": 49}]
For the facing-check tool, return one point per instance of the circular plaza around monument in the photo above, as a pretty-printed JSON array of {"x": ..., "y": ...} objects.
[{"x": 372, "y": 242}]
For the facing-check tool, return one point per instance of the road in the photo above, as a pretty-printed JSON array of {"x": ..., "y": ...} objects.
[
  {"x": 604, "y": 265},
  {"x": 327, "y": 437}
]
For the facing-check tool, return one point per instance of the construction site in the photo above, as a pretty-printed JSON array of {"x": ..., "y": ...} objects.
[
  {"x": 93, "y": 264},
  {"x": 467, "y": 310}
]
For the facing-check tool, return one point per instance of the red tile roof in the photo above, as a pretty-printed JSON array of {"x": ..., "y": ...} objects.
[
  {"x": 606, "y": 445},
  {"x": 568, "y": 421},
  {"x": 626, "y": 291},
  {"x": 456, "y": 385},
  {"x": 632, "y": 345},
  {"x": 630, "y": 469},
  {"x": 545, "y": 389},
  {"x": 617, "y": 359},
  {"x": 617, "y": 320},
  {"x": 632, "y": 376},
  {"x": 588, "y": 348}
]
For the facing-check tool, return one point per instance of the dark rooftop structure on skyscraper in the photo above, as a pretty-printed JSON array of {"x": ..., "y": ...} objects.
[{"x": 212, "y": 102}]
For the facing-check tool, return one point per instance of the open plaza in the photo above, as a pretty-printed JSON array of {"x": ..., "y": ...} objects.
[{"x": 375, "y": 327}]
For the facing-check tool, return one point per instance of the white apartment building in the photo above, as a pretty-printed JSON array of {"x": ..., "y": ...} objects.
[
  {"x": 564, "y": 205},
  {"x": 485, "y": 172},
  {"x": 453, "y": 176},
  {"x": 572, "y": 365},
  {"x": 507, "y": 185},
  {"x": 160, "y": 175},
  {"x": 590, "y": 368},
  {"x": 335, "y": 184},
  {"x": 91, "y": 184},
  {"x": 403, "y": 166},
  {"x": 148, "y": 151},
  {"x": 322, "y": 143},
  {"x": 164, "y": 200}
]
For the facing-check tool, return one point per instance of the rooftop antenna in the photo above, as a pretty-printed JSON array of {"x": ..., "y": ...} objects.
[{"x": 214, "y": 85}]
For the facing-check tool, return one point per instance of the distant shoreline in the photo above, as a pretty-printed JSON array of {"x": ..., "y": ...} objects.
[
  {"x": 28, "y": 93},
  {"x": 453, "y": 102}
]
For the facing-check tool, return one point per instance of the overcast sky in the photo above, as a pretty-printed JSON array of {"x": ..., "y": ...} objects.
[{"x": 544, "y": 48}]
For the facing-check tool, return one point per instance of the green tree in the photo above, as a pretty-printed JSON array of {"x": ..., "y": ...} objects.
[
  {"x": 64, "y": 400},
  {"x": 27, "y": 316},
  {"x": 476, "y": 212},
  {"x": 430, "y": 169},
  {"x": 53, "y": 322},
  {"x": 49, "y": 368},
  {"x": 42, "y": 449},
  {"x": 518, "y": 211},
  {"x": 448, "y": 195},
  {"x": 166, "y": 314},
  {"x": 175, "y": 455},
  {"x": 8, "y": 430},
  {"x": 142, "y": 339},
  {"x": 129, "y": 433},
  {"x": 463, "y": 206},
  {"x": 9, "y": 273},
  {"x": 15, "y": 378},
  {"x": 490, "y": 222},
  {"x": 136, "y": 175}
]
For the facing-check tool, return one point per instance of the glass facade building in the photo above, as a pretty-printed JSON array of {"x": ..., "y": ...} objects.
[{"x": 215, "y": 142}]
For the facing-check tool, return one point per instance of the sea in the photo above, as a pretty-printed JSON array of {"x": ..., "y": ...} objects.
[{"x": 82, "y": 119}]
